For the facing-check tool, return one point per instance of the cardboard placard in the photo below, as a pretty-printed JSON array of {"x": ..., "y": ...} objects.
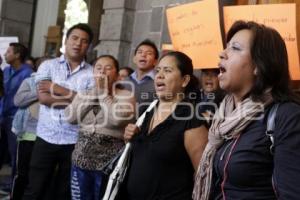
[
  {"x": 281, "y": 17},
  {"x": 168, "y": 47},
  {"x": 195, "y": 30}
]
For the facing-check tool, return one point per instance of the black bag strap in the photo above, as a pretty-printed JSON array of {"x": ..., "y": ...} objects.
[{"x": 271, "y": 125}]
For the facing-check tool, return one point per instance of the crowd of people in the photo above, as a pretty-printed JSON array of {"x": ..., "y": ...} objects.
[{"x": 63, "y": 119}]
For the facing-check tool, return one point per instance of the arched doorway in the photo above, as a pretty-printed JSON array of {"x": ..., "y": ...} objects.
[
  {"x": 76, "y": 12},
  {"x": 52, "y": 12}
]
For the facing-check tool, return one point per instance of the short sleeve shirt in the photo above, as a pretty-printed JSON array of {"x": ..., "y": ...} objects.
[{"x": 160, "y": 167}]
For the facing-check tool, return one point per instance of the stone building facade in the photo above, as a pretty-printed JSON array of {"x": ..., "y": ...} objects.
[
  {"x": 17, "y": 18},
  {"x": 125, "y": 23},
  {"x": 119, "y": 25}
]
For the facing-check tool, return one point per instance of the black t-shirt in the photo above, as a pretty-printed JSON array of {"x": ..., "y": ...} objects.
[
  {"x": 160, "y": 167},
  {"x": 251, "y": 165}
]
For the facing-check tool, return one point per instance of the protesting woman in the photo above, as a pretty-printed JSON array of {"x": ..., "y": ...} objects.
[
  {"x": 240, "y": 161},
  {"x": 102, "y": 113},
  {"x": 167, "y": 149}
]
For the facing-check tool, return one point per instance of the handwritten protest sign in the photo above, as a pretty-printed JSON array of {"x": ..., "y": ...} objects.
[
  {"x": 195, "y": 30},
  {"x": 281, "y": 17},
  {"x": 4, "y": 44},
  {"x": 167, "y": 47}
]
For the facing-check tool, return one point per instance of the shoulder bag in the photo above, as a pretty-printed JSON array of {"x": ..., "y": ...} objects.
[{"x": 117, "y": 176}]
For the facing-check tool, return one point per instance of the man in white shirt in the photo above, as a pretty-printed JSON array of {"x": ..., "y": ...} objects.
[{"x": 58, "y": 82}]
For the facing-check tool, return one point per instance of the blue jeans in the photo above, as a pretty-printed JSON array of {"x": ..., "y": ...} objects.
[{"x": 85, "y": 184}]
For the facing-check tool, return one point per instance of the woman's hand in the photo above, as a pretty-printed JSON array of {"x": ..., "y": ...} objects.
[
  {"x": 130, "y": 131},
  {"x": 101, "y": 81}
]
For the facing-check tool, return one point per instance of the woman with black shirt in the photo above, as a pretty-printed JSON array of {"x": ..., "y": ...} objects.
[
  {"x": 237, "y": 162},
  {"x": 167, "y": 149}
]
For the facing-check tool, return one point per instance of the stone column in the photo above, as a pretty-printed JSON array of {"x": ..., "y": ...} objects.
[
  {"x": 116, "y": 29},
  {"x": 46, "y": 15},
  {"x": 95, "y": 8},
  {"x": 15, "y": 19}
]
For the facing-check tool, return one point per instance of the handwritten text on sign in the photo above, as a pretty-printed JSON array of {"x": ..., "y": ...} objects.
[
  {"x": 281, "y": 17},
  {"x": 195, "y": 30}
]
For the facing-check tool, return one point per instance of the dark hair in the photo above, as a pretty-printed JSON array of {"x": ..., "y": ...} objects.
[
  {"x": 148, "y": 42},
  {"x": 40, "y": 60},
  {"x": 185, "y": 66},
  {"x": 32, "y": 59},
  {"x": 128, "y": 69},
  {"x": 20, "y": 49},
  {"x": 269, "y": 55},
  {"x": 115, "y": 61},
  {"x": 83, "y": 27},
  {"x": 214, "y": 70}
]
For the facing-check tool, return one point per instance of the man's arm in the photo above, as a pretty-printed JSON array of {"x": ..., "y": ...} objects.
[
  {"x": 54, "y": 95},
  {"x": 25, "y": 95}
]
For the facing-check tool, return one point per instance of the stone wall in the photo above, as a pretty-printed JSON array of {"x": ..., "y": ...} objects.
[
  {"x": 46, "y": 15},
  {"x": 116, "y": 29},
  {"x": 16, "y": 19},
  {"x": 125, "y": 23},
  {"x": 151, "y": 21}
]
